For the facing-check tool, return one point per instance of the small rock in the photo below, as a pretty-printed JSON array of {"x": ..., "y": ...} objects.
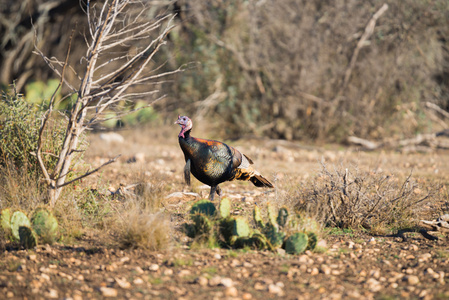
[
  {"x": 280, "y": 251},
  {"x": 154, "y": 267},
  {"x": 258, "y": 286},
  {"x": 108, "y": 292},
  {"x": 217, "y": 256},
  {"x": 247, "y": 296},
  {"x": 123, "y": 283},
  {"x": 138, "y": 281},
  {"x": 413, "y": 247},
  {"x": 350, "y": 244},
  {"x": 214, "y": 281},
  {"x": 52, "y": 294},
  {"x": 274, "y": 289},
  {"x": 325, "y": 269},
  {"x": 139, "y": 270},
  {"x": 424, "y": 257},
  {"x": 45, "y": 277},
  {"x": 168, "y": 272},
  {"x": 280, "y": 284},
  {"x": 231, "y": 291},
  {"x": 373, "y": 285},
  {"x": 411, "y": 279},
  {"x": 227, "y": 282},
  {"x": 32, "y": 257},
  {"x": 184, "y": 273},
  {"x": 124, "y": 259},
  {"x": 202, "y": 281},
  {"x": 372, "y": 241},
  {"x": 9, "y": 294},
  {"x": 314, "y": 271}
]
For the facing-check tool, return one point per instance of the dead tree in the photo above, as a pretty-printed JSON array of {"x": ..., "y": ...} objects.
[{"x": 114, "y": 27}]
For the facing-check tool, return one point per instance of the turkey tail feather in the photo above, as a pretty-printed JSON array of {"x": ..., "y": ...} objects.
[{"x": 260, "y": 181}]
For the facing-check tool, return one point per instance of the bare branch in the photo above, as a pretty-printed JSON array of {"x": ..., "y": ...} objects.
[{"x": 89, "y": 172}]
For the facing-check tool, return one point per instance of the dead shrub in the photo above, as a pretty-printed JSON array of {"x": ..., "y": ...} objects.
[{"x": 351, "y": 198}]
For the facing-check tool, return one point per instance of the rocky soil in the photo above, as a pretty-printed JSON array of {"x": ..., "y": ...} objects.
[{"x": 355, "y": 265}]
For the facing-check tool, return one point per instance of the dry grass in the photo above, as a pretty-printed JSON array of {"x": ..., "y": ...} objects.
[
  {"x": 141, "y": 223},
  {"x": 19, "y": 189}
]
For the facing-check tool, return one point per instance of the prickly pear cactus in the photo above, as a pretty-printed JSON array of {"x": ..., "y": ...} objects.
[
  {"x": 28, "y": 238},
  {"x": 18, "y": 219},
  {"x": 259, "y": 241},
  {"x": 312, "y": 241},
  {"x": 241, "y": 227},
  {"x": 274, "y": 236},
  {"x": 6, "y": 221},
  {"x": 204, "y": 207},
  {"x": 296, "y": 243},
  {"x": 202, "y": 224},
  {"x": 257, "y": 215},
  {"x": 45, "y": 225},
  {"x": 225, "y": 208},
  {"x": 282, "y": 216},
  {"x": 271, "y": 214},
  {"x": 233, "y": 228}
]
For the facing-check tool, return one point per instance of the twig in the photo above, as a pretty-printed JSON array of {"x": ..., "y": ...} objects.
[{"x": 89, "y": 172}]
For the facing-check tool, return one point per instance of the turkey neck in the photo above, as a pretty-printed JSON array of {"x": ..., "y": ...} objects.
[{"x": 187, "y": 142}]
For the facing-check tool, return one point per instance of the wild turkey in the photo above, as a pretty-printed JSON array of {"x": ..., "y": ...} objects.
[{"x": 213, "y": 162}]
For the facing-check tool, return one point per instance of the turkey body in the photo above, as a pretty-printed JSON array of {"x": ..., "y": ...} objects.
[{"x": 213, "y": 162}]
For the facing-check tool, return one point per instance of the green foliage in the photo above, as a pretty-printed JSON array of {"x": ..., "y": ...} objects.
[
  {"x": 40, "y": 92},
  {"x": 28, "y": 238},
  {"x": 203, "y": 206},
  {"x": 235, "y": 232},
  {"x": 20, "y": 121},
  {"x": 296, "y": 243},
  {"x": 18, "y": 219},
  {"x": 45, "y": 225},
  {"x": 19, "y": 125}
]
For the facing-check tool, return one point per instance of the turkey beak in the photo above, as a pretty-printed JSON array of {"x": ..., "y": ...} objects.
[{"x": 177, "y": 121}]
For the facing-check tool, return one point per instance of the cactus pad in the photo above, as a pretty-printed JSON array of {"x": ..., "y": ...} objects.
[
  {"x": 274, "y": 236},
  {"x": 259, "y": 241},
  {"x": 18, "y": 219},
  {"x": 258, "y": 217},
  {"x": 241, "y": 227},
  {"x": 296, "y": 243},
  {"x": 312, "y": 241},
  {"x": 202, "y": 224},
  {"x": 28, "y": 237},
  {"x": 45, "y": 225},
  {"x": 6, "y": 220},
  {"x": 282, "y": 216},
  {"x": 225, "y": 208},
  {"x": 271, "y": 213},
  {"x": 204, "y": 207}
]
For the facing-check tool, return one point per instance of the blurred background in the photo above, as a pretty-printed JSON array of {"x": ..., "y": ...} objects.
[{"x": 276, "y": 69}]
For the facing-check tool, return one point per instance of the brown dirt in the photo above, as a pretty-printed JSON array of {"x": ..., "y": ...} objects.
[{"x": 355, "y": 266}]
